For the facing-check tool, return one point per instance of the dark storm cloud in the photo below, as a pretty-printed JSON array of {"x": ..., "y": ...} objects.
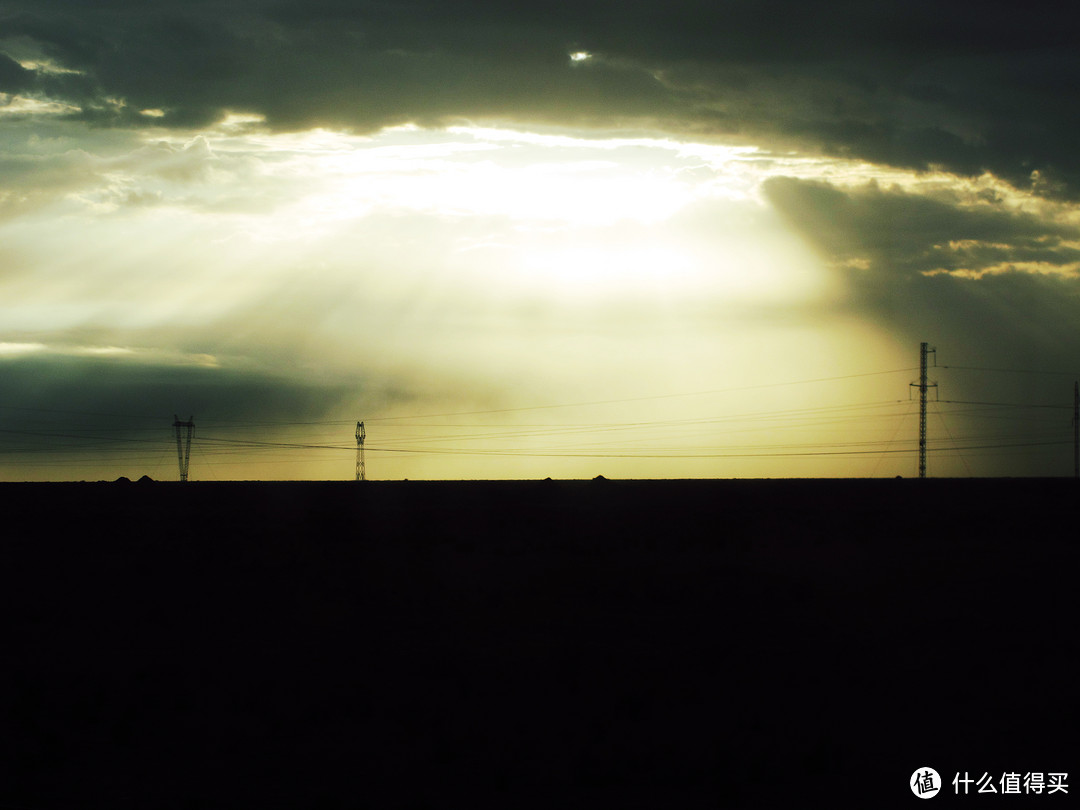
[
  {"x": 885, "y": 246},
  {"x": 966, "y": 86},
  {"x": 115, "y": 394},
  {"x": 78, "y": 413},
  {"x": 14, "y": 78},
  {"x": 901, "y": 233}
]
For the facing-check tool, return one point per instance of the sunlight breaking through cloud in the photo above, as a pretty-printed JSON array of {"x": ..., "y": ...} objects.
[{"x": 493, "y": 262}]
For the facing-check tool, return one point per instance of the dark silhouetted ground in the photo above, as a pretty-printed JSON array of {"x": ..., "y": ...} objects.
[{"x": 550, "y": 644}]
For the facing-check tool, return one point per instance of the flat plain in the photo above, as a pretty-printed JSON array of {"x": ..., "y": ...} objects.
[{"x": 729, "y": 643}]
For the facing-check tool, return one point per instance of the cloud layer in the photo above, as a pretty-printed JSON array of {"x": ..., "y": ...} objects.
[
  {"x": 970, "y": 87},
  {"x": 315, "y": 209}
]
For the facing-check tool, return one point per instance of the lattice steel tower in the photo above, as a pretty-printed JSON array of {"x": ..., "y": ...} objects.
[
  {"x": 1076, "y": 429},
  {"x": 923, "y": 386},
  {"x": 361, "y": 434},
  {"x": 183, "y": 444}
]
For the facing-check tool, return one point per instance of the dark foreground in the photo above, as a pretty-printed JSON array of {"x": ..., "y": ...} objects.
[{"x": 551, "y": 644}]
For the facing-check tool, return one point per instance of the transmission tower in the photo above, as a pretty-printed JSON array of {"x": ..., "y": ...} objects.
[
  {"x": 1076, "y": 430},
  {"x": 361, "y": 434},
  {"x": 923, "y": 386},
  {"x": 183, "y": 444}
]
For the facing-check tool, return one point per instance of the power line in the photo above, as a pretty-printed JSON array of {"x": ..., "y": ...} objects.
[
  {"x": 645, "y": 399},
  {"x": 1012, "y": 370},
  {"x": 691, "y": 455},
  {"x": 667, "y": 439},
  {"x": 1005, "y": 404}
]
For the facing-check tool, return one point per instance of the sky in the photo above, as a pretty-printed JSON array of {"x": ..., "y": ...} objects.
[{"x": 525, "y": 240}]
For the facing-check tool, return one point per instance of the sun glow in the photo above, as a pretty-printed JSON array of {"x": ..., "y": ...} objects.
[
  {"x": 549, "y": 214},
  {"x": 506, "y": 268},
  {"x": 469, "y": 215},
  {"x": 599, "y": 270}
]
